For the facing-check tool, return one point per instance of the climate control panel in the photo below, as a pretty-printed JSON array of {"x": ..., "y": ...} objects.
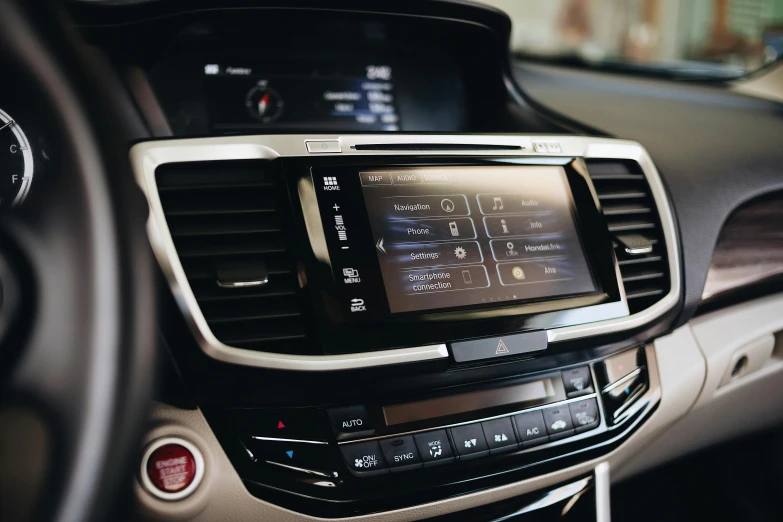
[{"x": 349, "y": 455}]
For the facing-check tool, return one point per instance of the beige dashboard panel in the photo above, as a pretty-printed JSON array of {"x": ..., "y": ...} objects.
[{"x": 749, "y": 403}]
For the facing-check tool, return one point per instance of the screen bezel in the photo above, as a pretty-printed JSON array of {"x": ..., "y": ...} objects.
[{"x": 384, "y": 331}]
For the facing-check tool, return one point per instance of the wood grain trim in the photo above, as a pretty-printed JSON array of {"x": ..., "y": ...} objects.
[{"x": 749, "y": 250}]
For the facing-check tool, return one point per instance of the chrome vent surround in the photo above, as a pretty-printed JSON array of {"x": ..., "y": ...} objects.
[
  {"x": 226, "y": 217},
  {"x": 149, "y": 157},
  {"x": 629, "y": 208}
]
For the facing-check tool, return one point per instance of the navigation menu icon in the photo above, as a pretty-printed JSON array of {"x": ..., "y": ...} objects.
[{"x": 447, "y": 205}]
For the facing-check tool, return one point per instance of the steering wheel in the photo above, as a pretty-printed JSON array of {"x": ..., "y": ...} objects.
[{"x": 77, "y": 315}]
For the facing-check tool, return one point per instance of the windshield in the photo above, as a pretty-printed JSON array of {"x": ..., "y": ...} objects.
[{"x": 699, "y": 39}]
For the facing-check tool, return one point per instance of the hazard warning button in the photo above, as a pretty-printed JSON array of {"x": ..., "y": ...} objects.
[{"x": 508, "y": 345}]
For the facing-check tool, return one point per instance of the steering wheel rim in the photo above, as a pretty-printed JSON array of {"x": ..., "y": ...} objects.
[{"x": 87, "y": 362}]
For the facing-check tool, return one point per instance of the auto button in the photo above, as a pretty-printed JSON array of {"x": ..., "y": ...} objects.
[{"x": 350, "y": 422}]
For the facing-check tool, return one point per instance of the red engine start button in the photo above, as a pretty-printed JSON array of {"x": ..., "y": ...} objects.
[{"x": 173, "y": 468}]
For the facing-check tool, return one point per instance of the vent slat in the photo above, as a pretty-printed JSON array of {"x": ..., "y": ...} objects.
[
  {"x": 638, "y": 260},
  {"x": 628, "y": 206},
  {"x": 227, "y": 215},
  {"x": 617, "y": 177},
  {"x": 204, "y": 268},
  {"x": 645, "y": 292},
  {"x": 642, "y": 276},
  {"x": 199, "y": 225},
  {"x": 627, "y": 209},
  {"x": 621, "y": 194},
  {"x": 229, "y": 245},
  {"x": 624, "y": 226}
]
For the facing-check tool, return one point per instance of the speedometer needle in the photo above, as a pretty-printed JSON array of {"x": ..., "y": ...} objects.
[{"x": 10, "y": 122}]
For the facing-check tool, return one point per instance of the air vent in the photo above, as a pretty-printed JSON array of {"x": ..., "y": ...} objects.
[
  {"x": 228, "y": 221},
  {"x": 630, "y": 212}
]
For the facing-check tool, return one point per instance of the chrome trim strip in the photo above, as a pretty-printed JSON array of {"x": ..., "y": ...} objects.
[
  {"x": 146, "y": 157},
  {"x": 618, "y": 413},
  {"x": 615, "y": 384},
  {"x": 273, "y": 439},
  {"x": 302, "y": 470},
  {"x": 551, "y": 498},
  {"x": 242, "y": 284},
  {"x": 27, "y": 158},
  {"x": 638, "y": 251}
]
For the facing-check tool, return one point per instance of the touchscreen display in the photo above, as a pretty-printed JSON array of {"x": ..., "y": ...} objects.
[{"x": 457, "y": 236}]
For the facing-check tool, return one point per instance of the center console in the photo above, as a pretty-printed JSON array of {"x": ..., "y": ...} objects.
[{"x": 472, "y": 308}]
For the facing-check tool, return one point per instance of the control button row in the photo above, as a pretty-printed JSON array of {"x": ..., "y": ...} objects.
[{"x": 471, "y": 441}]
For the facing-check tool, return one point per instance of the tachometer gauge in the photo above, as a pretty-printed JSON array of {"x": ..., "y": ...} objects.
[{"x": 16, "y": 163}]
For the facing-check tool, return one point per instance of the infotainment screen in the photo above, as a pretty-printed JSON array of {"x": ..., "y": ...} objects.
[
  {"x": 447, "y": 237},
  {"x": 461, "y": 236}
]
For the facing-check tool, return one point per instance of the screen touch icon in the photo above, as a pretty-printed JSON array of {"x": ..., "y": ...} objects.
[{"x": 447, "y": 205}]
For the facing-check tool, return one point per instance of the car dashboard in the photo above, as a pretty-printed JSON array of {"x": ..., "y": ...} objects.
[{"x": 405, "y": 276}]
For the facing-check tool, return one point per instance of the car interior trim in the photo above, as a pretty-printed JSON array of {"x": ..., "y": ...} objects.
[
  {"x": 227, "y": 483},
  {"x": 147, "y": 156},
  {"x": 553, "y": 497},
  {"x": 622, "y": 381}
]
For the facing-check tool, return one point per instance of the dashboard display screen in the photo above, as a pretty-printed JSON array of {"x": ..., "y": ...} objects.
[
  {"x": 458, "y": 236},
  {"x": 284, "y": 96}
]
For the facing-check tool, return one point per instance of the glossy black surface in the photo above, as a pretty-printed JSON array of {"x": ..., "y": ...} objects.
[
  {"x": 370, "y": 476},
  {"x": 381, "y": 330}
]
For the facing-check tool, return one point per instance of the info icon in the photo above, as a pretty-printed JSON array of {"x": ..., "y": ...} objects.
[{"x": 518, "y": 273}]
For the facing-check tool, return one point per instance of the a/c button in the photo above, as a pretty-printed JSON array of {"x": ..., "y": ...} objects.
[{"x": 351, "y": 422}]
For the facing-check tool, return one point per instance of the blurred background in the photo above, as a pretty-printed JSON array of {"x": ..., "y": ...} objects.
[{"x": 708, "y": 38}]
